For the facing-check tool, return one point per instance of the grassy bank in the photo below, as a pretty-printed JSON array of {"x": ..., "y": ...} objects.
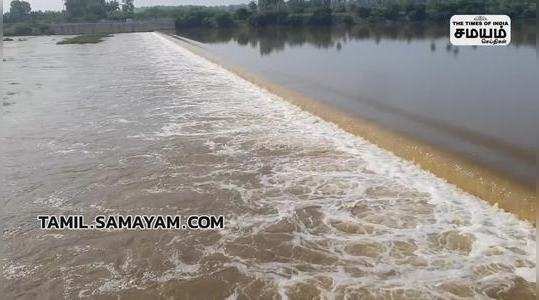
[{"x": 84, "y": 39}]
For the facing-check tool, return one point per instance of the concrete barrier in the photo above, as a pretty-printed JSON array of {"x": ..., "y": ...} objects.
[{"x": 112, "y": 27}]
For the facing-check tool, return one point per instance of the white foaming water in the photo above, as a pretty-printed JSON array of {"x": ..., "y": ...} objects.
[
  {"x": 309, "y": 208},
  {"x": 337, "y": 182}
]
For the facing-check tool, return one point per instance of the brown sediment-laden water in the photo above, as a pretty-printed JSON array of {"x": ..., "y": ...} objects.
[{"x": 139, "y": 125}]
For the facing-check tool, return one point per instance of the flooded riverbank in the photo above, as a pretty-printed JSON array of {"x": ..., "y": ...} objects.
[{"x": 150, "y": 128}]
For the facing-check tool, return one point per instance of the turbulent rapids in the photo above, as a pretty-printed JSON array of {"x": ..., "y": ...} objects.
[{"x": 310, "y": 210}]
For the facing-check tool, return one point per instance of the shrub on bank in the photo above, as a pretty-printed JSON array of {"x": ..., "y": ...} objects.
[
  {"x": 205, "y": 18},
  {"x": 223, "y": 20},
  {"x": 198, "y": 18},
  {"x": 269, "y": 18},
  {"x": 242, "y": 14},
  {"x": 23, "y": 29},
  {"x": 321, "y": 17},
  {"x": 296, "y": 20}
]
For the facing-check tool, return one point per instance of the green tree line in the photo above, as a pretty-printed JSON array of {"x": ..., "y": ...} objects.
[
  {"x": 75, "y": 11},
  {"x": 21, "y": 20},
  {"x": 263, "y": 12},
  {"x": 328, "y": 12}
]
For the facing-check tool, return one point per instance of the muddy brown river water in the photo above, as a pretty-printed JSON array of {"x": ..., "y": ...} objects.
[{"x": 139, "y": 125}]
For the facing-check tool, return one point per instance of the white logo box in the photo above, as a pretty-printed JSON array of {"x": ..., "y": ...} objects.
[{"x": 480, "y": 30}]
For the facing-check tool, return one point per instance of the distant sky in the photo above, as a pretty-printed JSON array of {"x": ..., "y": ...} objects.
[{"x": 58, "y": 4}]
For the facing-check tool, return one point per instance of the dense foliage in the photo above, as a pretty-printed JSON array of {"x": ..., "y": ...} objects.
[
  {"x": 93, "y": 10},
  {"x": 21, "y": 20},
  {"x": 75, "y": 10},
  {"x": 19, "y": 11},
  {"x": 327, "y": 12}
]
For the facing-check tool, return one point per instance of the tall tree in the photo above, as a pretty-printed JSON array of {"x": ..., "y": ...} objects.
[
  {"x": 271, "y": 4},
  {"x": 112, "y": 6},
  {"x": 128, "y": 7},
  {"x": 19, "y": 10},
  {"x": 296, "y": 5},
  {"x": 90, "y": 10},
  {"x": 253, "y": 6}
]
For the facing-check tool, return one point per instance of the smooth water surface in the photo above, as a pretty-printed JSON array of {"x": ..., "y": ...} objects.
[{"x": 480, "y": 102}]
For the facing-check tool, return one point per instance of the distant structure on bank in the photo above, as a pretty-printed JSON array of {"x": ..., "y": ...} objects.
[{"x": 112, "y": 27}]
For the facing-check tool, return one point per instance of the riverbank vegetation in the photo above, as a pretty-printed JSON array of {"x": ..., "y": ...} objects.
[
  {"x": 84, "y": 39},
  {"x": 329, "y": 12},
  {"x": 21, "y": 20}
]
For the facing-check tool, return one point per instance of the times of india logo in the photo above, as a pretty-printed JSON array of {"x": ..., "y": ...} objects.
[{"x": 480, "y": 30}]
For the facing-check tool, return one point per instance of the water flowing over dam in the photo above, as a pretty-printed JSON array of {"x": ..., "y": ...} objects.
[{"x": 139, "y": 125}]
